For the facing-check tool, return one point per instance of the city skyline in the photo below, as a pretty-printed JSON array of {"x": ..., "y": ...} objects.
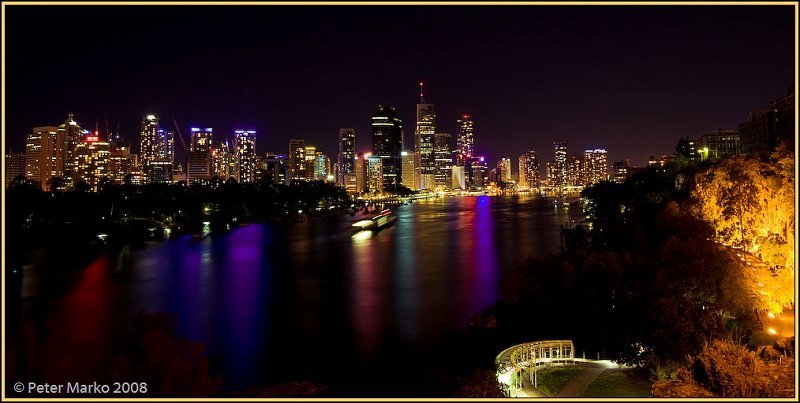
[{"x": 597, "y": 100}]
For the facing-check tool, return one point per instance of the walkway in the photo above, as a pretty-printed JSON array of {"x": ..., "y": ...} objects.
[{"x": 575, "y": 385}]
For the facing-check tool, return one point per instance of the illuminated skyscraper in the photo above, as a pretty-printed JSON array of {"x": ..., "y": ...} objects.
[
  {"x": 620, "y": 170},
  {"x": 310, "y": 159},
  {"x": 560, "y": 167},
  {"x": 409, "y": 170},
  {"x": 69, "y": 135},
  {"x": 595, "y": 165},
  {"x": 41, "y": 156},
  {"x": 465, "y": 141},
  {"x": 347, "y": 159},
  {"x": 361, "y": 173},
  {"x": 322, "y": 167},
  {"x": 297, "y": 159},
  {"x": 387, "y": 143},
  {"x": 245, "y": 155},
  {"x": 504, "y": 169},
  {"x": 444, "y": 162},
  {"x": 423, "y": 142},
  {"x": 478, "y": 168},
  {"x": 150, "y": 145},
  {"x": 375, "y": 177},
  {"x": 166, "y": 145},
  {"x": 575, "y": 171},
  {"x": 198, "y": 168},
  {"x": 529, "y": 175},
  {"x": 92, "y": 161},
  {"x": 221, "y": 160}
]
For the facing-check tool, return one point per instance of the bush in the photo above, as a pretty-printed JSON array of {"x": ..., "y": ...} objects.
[{"x": 730, "y": 370}]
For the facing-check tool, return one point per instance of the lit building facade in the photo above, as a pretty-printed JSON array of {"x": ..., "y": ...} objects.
[
  {"x": 620, "y": 170},
  {"x": 375, "y": 177},
  {"x": 720, "y": 143},
  {"x": 310, "y": 160},
  {"x": 595, "y": 163},
  {"x": 410, "y": 179},
  {"x": 478, "y": 168},
  {"x": 322, "y": 167},
  {"x": 198, "y": 167},
  {"x": 297, "y": 159},
  {"x": 575, "y": 172},
  {"x": 15, "y": 166},
  {"x": 92, "y": 161},
  {"x": 150, "y": 145},
  {"x": 529, "y": 175},
  {"x": 276, "y": 168},
  {"x": 504, "y": 169},
  {"x": 444, "y": 163},
  {"x": 221, "y": 160},
  {"x": 245, "y": 155},
  {"x": 120, "y": 163},
  {"x": 387, "y": 143},
  {"x": 465, "y": 139},
  {"x": 161, "y": 171},
  {"x": 42, "y": 152},
  {"x": 361, "y": 173},
  {"x": 69, "y": 134},
  {"x": 424, "y": 136},
  {"x": 346, "y": 175},
  {"x": 560, "y": 164}
]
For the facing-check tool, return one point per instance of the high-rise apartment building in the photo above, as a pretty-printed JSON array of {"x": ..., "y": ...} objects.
[
  {"x": 119, "y": 163},
  {"x": 387, "y": 143},
  {"x": 245, "y": 155},
  {"x": 504, "y": 169},
  {"x": 346, "y": 175},
  {"x": 69, "y": 134},
  {"x": 410, "y": 179},
  {"x": 198, "y": 167},
  {"x": 92, "y": 161},
  {"x": 150, "y": 145},
  {"x": 529, "y": 175},
  {"x": 575, "y": 171},
  {"x": 311, "y": 157},
  {"x": 222, "y": 160},
  {"x": 375, "y": 177},
  {"x": 15, "y": 166},
  {"x": 595, "y": 165},
  {"x": 297, "y": 159},
  {"x": 560, "y": 166},
  {"x": 444, "y": 162},
  {"x": 424, "y": 136},
  {"x": 465, "y": 139},
  {"x": 42, "y": 153}
]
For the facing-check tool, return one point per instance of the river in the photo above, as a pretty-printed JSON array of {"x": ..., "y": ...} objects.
[{"x": 365, "y": 314}]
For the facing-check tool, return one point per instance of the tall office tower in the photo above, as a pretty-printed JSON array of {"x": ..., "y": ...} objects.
[
  {"x": 504, "y": 169},
  {"x": 15, "y": 166},
  {"x": 221, "y": 160},
  {"x": 361, "y": 173},
  {"x": 297, "y": 159},
  {"x": 310, "y": 157},
  {"x": 42, "y": 150},
  {"x": 444, "y": 162},
  {"x": 560, "y": 178},
  {"x": 595, "y": 165},
  {"x": 423, "y": 142},
  {"x": 198, "y": 167},
  {"x": 410, "y": 179},
  {"x": 478, "y": 169},
  {"x": 387, "y": 143},
  {"x": 166, "y": 145},
  {"x": 465, "y": 140},
  {"x": 551, "y": 173},
  {"x": 575, "y": 171},
  {"x": 150, "y": 145},
  {"x": 346, "y": 175},
  {"x": 322, "y": 167},
  {"x": 245, "y": 155},
  {"x": 92, "y": 161},
  {"x": 119, "y": 163},
  {"x": 161, "y": 171},
  {"x": 69, "y": 134},
  {"x": 375, "y": 177},
  {"x": 620, "y": 170},
  {"x": 529, "y": 174}
]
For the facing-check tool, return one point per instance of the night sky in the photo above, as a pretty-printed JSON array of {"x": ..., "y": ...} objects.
[{"x": 630, "y": 79}]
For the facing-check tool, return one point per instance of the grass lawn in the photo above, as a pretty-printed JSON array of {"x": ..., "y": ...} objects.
[
  {"x": 551, "y": 380},
  {"x": 628, "y": 382}
]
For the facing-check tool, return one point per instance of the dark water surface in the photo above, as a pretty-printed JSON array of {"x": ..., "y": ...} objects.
[{"x": 364, "y": 315}]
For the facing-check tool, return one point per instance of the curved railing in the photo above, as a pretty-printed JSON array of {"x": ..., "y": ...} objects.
[{"x": 513, "y": 360}]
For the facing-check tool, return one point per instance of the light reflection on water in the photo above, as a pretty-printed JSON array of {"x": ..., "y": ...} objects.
[{"x": 312, "y": 301}]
